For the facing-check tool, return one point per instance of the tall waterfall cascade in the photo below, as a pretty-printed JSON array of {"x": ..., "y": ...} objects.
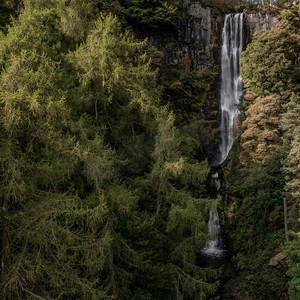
[
  {"x": 231, "y": 81},
  {"x": 230, "y": 94}
]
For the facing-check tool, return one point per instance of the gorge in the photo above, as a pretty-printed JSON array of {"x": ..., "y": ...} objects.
[{"x": 135, "y": 164}]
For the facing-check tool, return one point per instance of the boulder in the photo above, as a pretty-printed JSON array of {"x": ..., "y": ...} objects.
[{"x": 276, "y": 259}]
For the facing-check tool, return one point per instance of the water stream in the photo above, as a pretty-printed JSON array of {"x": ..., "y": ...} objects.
[
  {"x": 230, "y": 94},
  {"x": 231, "y": 81},
  {"x": 213, "y": 247}
]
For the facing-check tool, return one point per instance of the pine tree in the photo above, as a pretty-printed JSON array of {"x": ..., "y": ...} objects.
[{"x": 185, "y": 225}]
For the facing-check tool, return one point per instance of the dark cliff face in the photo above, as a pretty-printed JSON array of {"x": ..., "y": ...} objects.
[
  {"x": 189, "y": 60},
  {"x": 196, "y": 39}
]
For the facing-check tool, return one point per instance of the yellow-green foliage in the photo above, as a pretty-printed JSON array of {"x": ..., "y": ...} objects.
[
  {"x": 270, "y": 63},
  {"x": 94, "y": 186},
  {"x": 261, "y": 134}
]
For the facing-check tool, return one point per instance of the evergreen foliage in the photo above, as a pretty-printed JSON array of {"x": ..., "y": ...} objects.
[
  {"x": 7, "y": 11},
  {"x": 102, "y": 194},
  {"x": 292, "y": 250},
  {"x": 256, "y": 210},
  {"x": 101, "y": 197},
  {"x": 290, "y": 124},
  {"x": 152, "y": 12},
  {"x": 189, "y": 92}
]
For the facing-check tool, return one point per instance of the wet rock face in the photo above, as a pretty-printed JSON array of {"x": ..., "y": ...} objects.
[{"x": 258, "y": 21}]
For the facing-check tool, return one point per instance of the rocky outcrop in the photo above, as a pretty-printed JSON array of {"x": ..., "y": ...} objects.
[
  {"x": 258, "y": 21},
  {"x": 199, "y": 35},
  {"x": 274, "y": 261},
  {"x": 195, "y": 45},
  {"x": 197, "y": 40}
]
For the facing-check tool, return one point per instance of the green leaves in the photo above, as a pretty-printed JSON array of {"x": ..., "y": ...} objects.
[
  {"x": 270, "y": 63},
  {"x": 7, "y": 10}
]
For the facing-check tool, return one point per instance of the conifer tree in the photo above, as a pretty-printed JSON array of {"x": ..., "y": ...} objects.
[
  {"x": 93, "y": 185},
  {"x": 171, "y": 177}
]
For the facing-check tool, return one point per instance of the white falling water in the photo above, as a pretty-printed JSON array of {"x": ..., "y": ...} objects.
[
  {"x": 231, "y": 91},
  {"x": 231, "y": 81},
  {"x": 213, "y": 247}
]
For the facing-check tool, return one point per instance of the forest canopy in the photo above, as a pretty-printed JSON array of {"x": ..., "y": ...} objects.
[{"x": 97, "y": 199}]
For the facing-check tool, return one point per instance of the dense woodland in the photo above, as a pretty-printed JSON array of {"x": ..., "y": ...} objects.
[{"x": 105, "y": 190}]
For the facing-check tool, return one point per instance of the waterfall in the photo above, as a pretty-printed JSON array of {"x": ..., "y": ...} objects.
[
  {"x": 230, "y": 93},
  {"x": 213, "y": 247},
  {"x": 231, "y": 81}
]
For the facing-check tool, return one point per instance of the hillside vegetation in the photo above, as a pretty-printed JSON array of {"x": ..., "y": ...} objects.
[
  {"x": 104, "y": 180},
  {"x": 264, "y": 165}
]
